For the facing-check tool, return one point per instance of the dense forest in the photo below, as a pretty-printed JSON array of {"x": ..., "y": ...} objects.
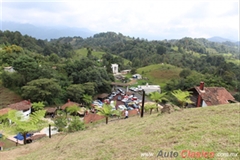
[{"x": 49, "y": 70}]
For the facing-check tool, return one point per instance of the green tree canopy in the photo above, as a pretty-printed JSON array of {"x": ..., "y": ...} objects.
[
  {"x": 37, "y": 106},
  {"x": 41, "y": 90},
  {"x": 27, "y": 67},
  {"x": 23, "y": 125},
  {"x": 106, "y": 110},
  {"x": 182, "y": 96},
  {"x": 184, "y": 73}
]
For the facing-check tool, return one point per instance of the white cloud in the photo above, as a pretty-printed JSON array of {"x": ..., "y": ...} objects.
[{"x": 143, "y": 17}]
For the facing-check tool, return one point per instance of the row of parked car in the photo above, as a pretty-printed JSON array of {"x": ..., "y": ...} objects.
[
  {"x": 135, "y": 89},
  {"x": 119, "y": 100}
]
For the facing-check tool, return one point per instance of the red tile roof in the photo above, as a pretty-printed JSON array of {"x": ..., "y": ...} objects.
[
  {"x": 4, "y": 111},
  {"x": 215, "y": 95},
  {"x": 92, "y": 118},
  {"x": 20, "y": 106},
  {"x": 50, "y": 109},
  {"x": 69, "y": 104},
  {"x": 1, "y": 144},
  {"x": 103, "y": 95}
]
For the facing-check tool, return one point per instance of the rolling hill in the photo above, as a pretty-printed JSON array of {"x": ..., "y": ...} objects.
[
  {"x": 160, "y": 73},
  {"x": 212, "y": 129}
]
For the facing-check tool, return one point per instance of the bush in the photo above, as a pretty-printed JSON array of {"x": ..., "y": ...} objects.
[{"x": 76, "y": 125}]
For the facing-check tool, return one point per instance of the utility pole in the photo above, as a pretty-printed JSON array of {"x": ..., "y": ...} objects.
[
  {"x": 143, "y": 101},
  {"x": 49, "y": 130}
]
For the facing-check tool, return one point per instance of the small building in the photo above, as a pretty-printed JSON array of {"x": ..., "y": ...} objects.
[
  {"x": 9, "y": 69},
  {"x": 69, "y": 104},
  {"x": 102, "y": 96},
  {"x": 115, "y": 68},
  {"x": 125, "y": 71},
  {"x": 50, "y": 111},
  {"x": 23, "y": 106},
  {"x": 150, "y": 88},
  {"x": 209, "y": 96}
]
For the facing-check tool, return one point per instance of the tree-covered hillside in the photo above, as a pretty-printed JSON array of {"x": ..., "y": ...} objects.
[{"x": 59, "y": 62}]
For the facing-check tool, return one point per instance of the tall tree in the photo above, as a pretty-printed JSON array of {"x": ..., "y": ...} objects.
[
  {"x": 22, "y": 125},
  {"x": 41, "y": 90},
  {"x": 107, "y": 111},
  {"x": 87, "y": 99},
  {"x": 182, "y": 96},
  {"x": 37, "y": 106},
  {"x": 158, "y": 97},
  {"x": 27, "y": 67},
  {"x": 72, "y": 110}
]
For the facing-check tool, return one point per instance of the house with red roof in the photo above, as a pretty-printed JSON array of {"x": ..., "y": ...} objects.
[
  {"x": 69, "y": 104},
  {"x": 23, "y": 106},
  {"x": 209, "y": 96}
]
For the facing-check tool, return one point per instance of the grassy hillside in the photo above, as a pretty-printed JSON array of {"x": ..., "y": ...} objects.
[
  {"x": 210, "y": 129},
  {"x": 83, "y": 53},
  {"x": 7, "y": 97},
  {"x": 160, "y": 73}
]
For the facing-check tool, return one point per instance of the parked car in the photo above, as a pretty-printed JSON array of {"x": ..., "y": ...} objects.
[
  {"x": 129, "y": 108},
  {"x": 121, "y": 107},
  {"x": 134, "y": 98},
  {"x": 95, "y": 103},
  {"x": 126, "y": 104},
  {"x": 135, "y": 106},
  {"x": 119, "y": 98},
  {"x": 131, "y": 88},
  {"x": 124, "y": 99},
  {"x": 120, "y": 90},
  {"x": 113, "y": 94}
]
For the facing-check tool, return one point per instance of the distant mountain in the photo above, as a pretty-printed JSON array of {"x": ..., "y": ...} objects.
[
  {"x": 218, "y": 39},
  {"x": 44, "y": 32}
]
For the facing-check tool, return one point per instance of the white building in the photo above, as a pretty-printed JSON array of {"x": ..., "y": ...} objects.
[
  {"x": 9, "y": 69},
  {"x": 150, "y": 88},
  {"x": 24, "y": 107},
  {"x": 115, "y": 68}
]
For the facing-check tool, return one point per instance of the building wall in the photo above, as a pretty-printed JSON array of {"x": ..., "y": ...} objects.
[
  {"x": 114, "y": 68},
  {"x": 26, "y": 113},
  {"x": 204, "y": 104}
]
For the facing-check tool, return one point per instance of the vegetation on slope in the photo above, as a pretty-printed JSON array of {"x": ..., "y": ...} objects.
[{"x": 210, "y": 129}]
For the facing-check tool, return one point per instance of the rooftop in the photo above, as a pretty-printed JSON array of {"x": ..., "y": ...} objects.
[
  {"x": 69, "y": 104},
  {"x": 20, "y": 106},
  {"x": 215, "y": 95}
]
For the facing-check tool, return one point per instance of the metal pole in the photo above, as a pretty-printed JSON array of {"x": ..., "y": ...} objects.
[
  {"x": 49, "y": 130},
  {"x": 143, "y": 101}
]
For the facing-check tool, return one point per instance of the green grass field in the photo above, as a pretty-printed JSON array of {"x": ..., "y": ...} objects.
[
  {"x": 159, "y": 73},
  {"x": 209, "y": 129},
  {"x": 80, "y": 53}
]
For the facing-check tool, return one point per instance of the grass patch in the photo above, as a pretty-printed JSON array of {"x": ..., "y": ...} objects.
[
  {"x": 8, "y": 97},
  {"x": 8, "y": 144},
  {"x": 160, "y": 74},
  {"x": 213, "y": 129},
  {"x": 80, "y": 53}
]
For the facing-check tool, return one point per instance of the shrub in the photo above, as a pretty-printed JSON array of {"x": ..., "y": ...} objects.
[{"x": 76, "y": 125}]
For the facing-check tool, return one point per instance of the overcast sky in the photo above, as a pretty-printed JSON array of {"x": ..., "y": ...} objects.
[{"x": 149, "y": 19}]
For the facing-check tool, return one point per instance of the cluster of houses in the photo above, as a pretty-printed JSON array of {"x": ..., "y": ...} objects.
[{"x": 201, "y": 96}]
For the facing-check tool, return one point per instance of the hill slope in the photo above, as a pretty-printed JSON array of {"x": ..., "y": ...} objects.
[{"x": 211, "y": 129}]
